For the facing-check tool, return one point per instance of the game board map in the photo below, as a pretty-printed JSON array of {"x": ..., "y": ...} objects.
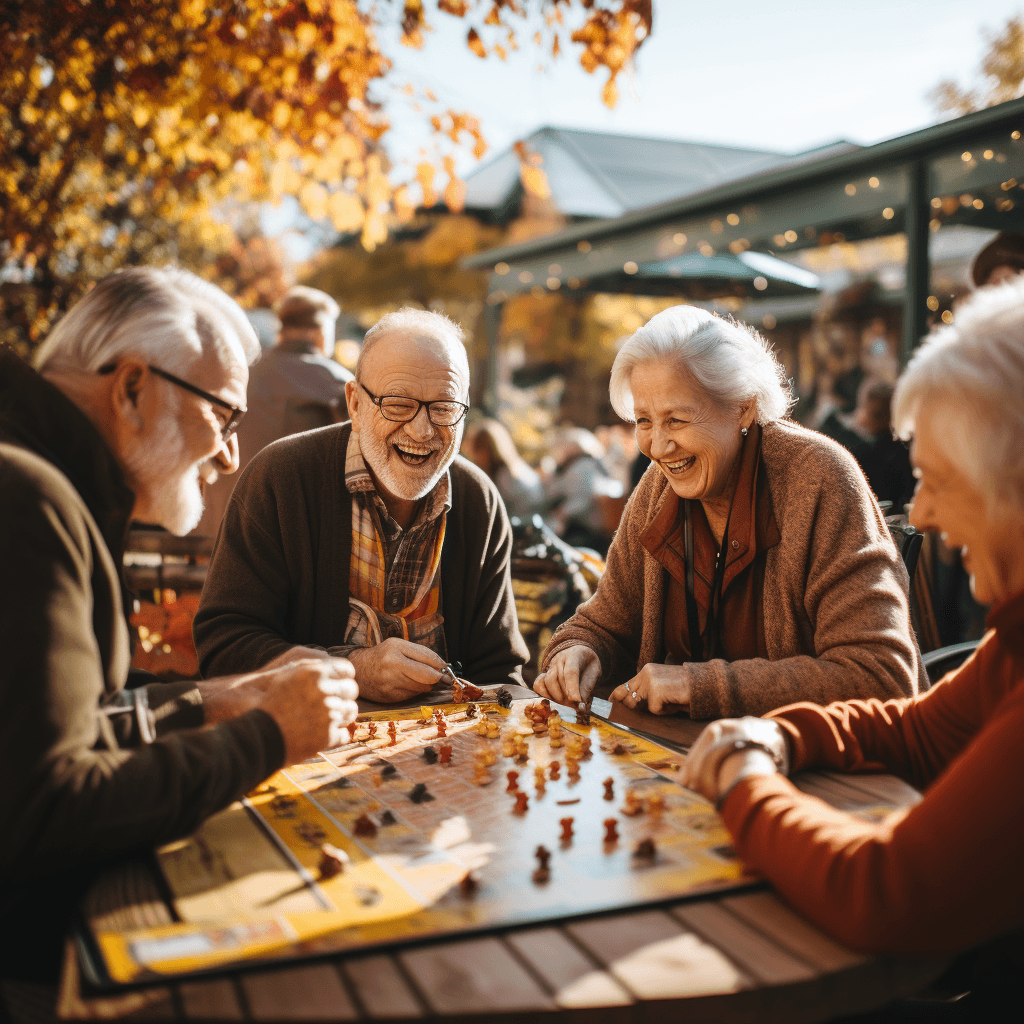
[{"x": 433, "y": 821}]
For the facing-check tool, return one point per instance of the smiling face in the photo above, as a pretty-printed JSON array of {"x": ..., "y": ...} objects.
[
  {"x": 406, "y": 460},
  {"x": 695, "y": 443},
  {"x": 990, "y": 538}
]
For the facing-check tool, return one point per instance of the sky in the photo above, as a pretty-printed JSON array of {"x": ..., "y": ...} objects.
[{"x": 788, "y": 75}]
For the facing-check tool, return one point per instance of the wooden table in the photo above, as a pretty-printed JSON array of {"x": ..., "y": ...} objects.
[{"x": 744, "y": 956}]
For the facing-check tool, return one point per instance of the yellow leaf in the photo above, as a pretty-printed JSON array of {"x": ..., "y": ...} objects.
[
  {"x": 346, "y": 212},
  {"x": 610, "y": 93},
  {"x": 69, "y": 101}
]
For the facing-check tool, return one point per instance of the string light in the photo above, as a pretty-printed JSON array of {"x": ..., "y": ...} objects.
[
  {"x": 554, "y": 269},
  {"x": 933, "y": 303},
  {"x": 966, "y": 157},
  {"x": 553, "y": 283},
  {"x": 733, "y": 219},
  {"x": 988, "y": 154},
  {"x": 874, "y": 182},
  {"x": 583, "y": 246},
  {"x": 630, "y": 267},
  {"x": 679, "y": 238},
  {"x": 525, "y": 277},
  {"x": 768, "y": 321},
  {"x": 501, "y": 268},
  {"x": 888, "y": 213},
  {"x": 851, "y": 189}
]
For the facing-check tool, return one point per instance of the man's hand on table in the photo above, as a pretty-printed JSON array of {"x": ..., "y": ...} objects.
[
  {"x": 666, "y": 688},
  {"x": 395, "y": 670},
  {"x": 733, "y": 749},
  {"x": 570, "y": 677}
]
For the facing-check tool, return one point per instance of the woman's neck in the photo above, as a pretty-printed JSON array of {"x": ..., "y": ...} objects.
[{"x": 716, "y": 509}]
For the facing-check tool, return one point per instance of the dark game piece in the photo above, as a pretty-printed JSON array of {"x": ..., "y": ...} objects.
[
  {"x": 332, "y": 861},
  {"x": 522, "y": 802},
  {"x": 388, "y": 771},
  {"x": 645, "y": 849},
  {"x": 446, "y": 753},
  {"x": 387, "y": 818},
  {"x": 582, "y": 714},
  {"x": 430, "y": 755},
  {"x": 469, "y": 885},
  {"x": 471, "y": 711},
  {"x": 364, "y": 826},
  {"x": 513, "y": 782},
  {"x": 611, "y": 834},
  {"x": 609, "y": 784},
  {"x": 620, "y": 749},
  {"x": 504, "y": 697},
  {"x": 419, "y": 794},
  {"x": 543, "y": 855},
  {"x": 566, "y": 824}
]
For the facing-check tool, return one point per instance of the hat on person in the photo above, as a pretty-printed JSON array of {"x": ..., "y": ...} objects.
[
  {"x": 1007, "y": 248},
  {"x": 303, "y": 307}
]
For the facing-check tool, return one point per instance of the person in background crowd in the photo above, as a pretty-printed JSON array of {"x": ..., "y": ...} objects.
[
  {"x": 490, "y": 446},
  {"x": 582, "y": 496},
  {"x": 752, "y": 566},
  {"x": 138, "y": 392},
  {"x": 295, "y": 386},
  {"x": 371, "y": 539},
  {"x": 867, "y": 434},
  {"x": 943, "y": 876},
  {"x": 1000, "y": 261}
]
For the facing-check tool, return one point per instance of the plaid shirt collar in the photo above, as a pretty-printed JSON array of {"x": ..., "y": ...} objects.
[{"x": 359, "y": 480}]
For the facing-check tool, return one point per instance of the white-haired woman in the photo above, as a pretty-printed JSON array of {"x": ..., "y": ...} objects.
[
  {"x": 752, "y": 566},
  {"x": 944, "y": 876}
]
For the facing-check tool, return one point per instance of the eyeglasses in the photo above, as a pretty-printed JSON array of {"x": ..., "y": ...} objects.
[
  {"x": 233, "y": 420},
  {"x": 441, "y": 411}
]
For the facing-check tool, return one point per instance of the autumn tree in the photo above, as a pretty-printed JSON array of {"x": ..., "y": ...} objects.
[
  {"x": 132, "y": 128},
  {"x": 1000, "y": 75}
]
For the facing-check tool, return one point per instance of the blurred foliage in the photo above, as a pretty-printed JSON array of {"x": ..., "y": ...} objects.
[
  {"x": 130, "y": 126},
  {"x": 1000, "y": 74}
]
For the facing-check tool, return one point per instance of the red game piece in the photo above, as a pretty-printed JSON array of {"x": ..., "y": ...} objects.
[
  {"x": 352, "y": 726},
  {"x": 543, "y": 873},
  {"x": 513, "y": 782},
  {"x": 522, "y": 802},
  {"x": 645, "y": 849},
  {"x": 393, "y": 733},
  {"x": 469, "y": 885},
  {"x": 373, "y": 729},
  {"x": 364, "y": 826},
  {"x": 566, "y": 824},
  {"x": 609, "y": 784},
  {"x": 458, "y": 695},
  {"x": 611, "y": 834},
  {"x": 556, "y": 768},
  {"x": 445, "y": 753},
  {"x": 442, "y": 728},
  {"x": 332, "y": 861},
  {"x": 582, "y": 714}
]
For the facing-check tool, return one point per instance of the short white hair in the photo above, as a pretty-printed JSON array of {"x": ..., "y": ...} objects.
[
  {"x": 418, "y": 321},
  {"x": 728, "y": 360},
  {"x": 166, "y": 315},
  {"x": 975, "y": 368}
]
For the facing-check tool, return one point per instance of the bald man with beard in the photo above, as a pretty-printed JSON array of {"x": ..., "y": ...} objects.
[{"x": 371, "y": 539}]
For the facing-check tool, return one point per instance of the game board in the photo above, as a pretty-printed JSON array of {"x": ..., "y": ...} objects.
[{"x": 431, "y": 848}]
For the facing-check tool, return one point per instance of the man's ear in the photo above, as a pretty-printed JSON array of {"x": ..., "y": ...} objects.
[
  {"x": 129, "y": 387},
  {"x": 352, "y": 401}
]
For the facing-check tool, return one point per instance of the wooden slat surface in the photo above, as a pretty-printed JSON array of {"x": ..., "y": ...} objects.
[
  {"x": 575, "y": 979},
  {"x": 476, "y": 976},
  {"x": 381, "y": 988},
  {"x": 312, "y": 992},
  {"x": 213, "y": 999},
  {"x": 881, "y": 789}
]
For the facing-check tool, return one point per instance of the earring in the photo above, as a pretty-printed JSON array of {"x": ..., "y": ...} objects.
[{"x": 743, "y": 431}]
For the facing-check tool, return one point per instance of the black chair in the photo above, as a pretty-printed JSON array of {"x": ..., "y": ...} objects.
[
  {"x": 945, "y": 659},
  {"x": 908, "y": 541}
]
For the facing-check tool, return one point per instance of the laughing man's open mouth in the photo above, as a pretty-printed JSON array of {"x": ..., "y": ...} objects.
[{"x": 412, "y": 455}]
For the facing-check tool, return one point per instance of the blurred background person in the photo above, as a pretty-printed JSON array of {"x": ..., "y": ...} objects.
[
  {"x": 295, "y": 386},
  {"x": 1000, "y": 261},
  {"x": 584, "y": 499},
  {"x": 490, "y": 446}
]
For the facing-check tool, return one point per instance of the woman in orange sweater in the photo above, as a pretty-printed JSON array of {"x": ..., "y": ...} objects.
[{"x": 947, "y": 874}]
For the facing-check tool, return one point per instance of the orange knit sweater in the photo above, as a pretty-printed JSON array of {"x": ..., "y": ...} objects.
[{"x": 940, "y": 877}]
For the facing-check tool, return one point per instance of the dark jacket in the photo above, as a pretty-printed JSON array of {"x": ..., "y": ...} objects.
[
  {"x": 280, "y": 570},
  {"x": 90, "y": 770}
]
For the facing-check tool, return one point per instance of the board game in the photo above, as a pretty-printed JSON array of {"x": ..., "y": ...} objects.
[{"x": 432, "y": 821}]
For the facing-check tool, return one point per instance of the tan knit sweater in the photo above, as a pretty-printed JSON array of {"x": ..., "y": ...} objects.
[{"x": 836, "y": 610}]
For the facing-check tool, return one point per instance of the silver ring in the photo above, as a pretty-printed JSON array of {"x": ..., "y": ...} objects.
[{"x": 634, "y": 695}]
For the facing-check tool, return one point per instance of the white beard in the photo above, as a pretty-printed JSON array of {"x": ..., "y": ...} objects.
[
  {"x": 408, "y": 483},
  {"x": 174, "y": 497}
]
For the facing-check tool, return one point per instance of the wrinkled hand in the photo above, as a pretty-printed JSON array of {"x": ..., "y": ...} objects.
[
  {"x": 297, "y": 653},
  {"x": 714, "y": 762},
  {"x": 312, "y": 701},
  {"x": 395, "y": 670},
  {"x": 570, "y": 677},
  {"x": 666, "y": 688}
]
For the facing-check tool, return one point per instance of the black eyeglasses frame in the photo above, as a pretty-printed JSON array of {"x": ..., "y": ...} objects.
[
  {"x": 233, "y": 420},
  {"x": 434, "y": 401}
]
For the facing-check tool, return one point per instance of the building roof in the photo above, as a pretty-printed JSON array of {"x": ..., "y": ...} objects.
[{"x": 600, "y": 174}]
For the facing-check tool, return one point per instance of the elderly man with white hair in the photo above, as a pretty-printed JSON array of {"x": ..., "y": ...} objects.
[
  {"x": 138, "y": 391},
  {"x": 371, "y": 539},
  {"x": 752, "y": 566},
  {"x": 945, "y": 875}
]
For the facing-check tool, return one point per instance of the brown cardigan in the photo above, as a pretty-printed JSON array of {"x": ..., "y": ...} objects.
[{"x": 836, "y": 610}]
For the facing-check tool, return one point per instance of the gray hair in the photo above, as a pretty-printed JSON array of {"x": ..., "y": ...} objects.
[
  {"x": 418, "y": 321},
  {"x": 975, "y": 366},
  {"x": 728, "y": 360},
  {"x": 166, "y": 315}
]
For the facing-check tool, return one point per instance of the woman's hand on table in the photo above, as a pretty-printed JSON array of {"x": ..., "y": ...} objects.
[
  {"x": 733, "y": 749},
  {"x": 570, "y": 677},
  {"x": 666, "y": 688}
]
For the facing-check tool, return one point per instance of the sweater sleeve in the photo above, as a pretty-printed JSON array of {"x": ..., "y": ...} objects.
[
  {"x": 64, "y": 801},
  {"x": 242, "y": 619},
  {"x": 850, "y": 588},
  {"x": 611, "y": 622},
  {"x": 938, "y": 878}
]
